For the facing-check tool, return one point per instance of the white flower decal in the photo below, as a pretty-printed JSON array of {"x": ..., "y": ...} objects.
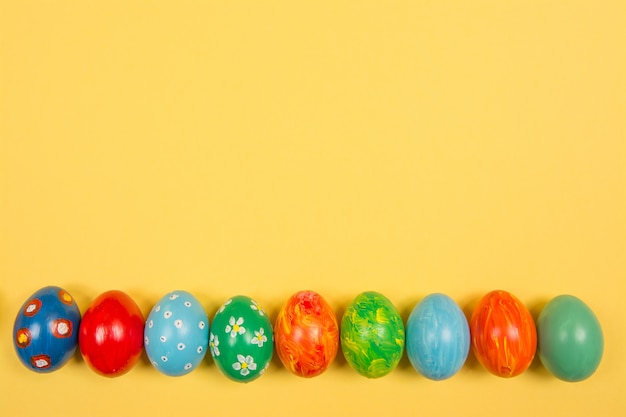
[
  {"x": 235, "y": 327},
  {"x": 214, "y": 344},
  {"x": 225, "y": 304},
  {"x": 259, "y": 337},
  {"x": 256, "y": 307},
  {"x": 244, "y": 364}
]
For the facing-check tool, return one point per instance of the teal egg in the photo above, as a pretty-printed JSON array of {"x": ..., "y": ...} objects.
[
  {"x": 372, "y": 335},
  {"x": 570, "y": 339}
]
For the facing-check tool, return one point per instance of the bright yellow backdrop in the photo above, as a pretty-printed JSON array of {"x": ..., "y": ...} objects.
[{"x": 262, "y": 148}]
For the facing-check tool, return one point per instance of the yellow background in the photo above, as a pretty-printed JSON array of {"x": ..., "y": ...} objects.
[{"x": 261, "y": 148}]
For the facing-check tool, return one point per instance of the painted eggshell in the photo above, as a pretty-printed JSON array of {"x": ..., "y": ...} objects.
[
  {"x": 307, "y": 334},
  {"x": 111, "y": 334},
  {"x": 176, "y": 334},
  {"x": 45, "y": 332},
  {"x": 372, "y": 335},
  {"x": 437, "y": 337},
  {"x": 241, "y": 339},
  {"x": 504, "y": 338},
  {"x": 571, "y": 342}
]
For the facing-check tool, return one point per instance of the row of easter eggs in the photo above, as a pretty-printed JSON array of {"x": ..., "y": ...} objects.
[{"x": 176, "y": 335}]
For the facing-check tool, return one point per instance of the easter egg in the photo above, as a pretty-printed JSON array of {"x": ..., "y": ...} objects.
[
  {"x": 45, "y": 332},
  {"x": 504, "y": 338},
  {"x": 307, "y": 334},
  {"x": 437, "y": 337},
  {"x": 176, "y": 334},
  {"x": 241, "y": 339},
  {"x": 372, "y": 335},
  {"x": 111, "y": 334},
  {"x": 571, "y": 342}
]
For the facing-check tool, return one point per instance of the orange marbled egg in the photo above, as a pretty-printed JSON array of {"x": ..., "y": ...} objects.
[
  {"x": 306, "y": 334},
  {"x": 503, "y": 334}
]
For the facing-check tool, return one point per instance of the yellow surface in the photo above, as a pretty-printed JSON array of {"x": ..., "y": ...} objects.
[{"x": 263, "y": 148}]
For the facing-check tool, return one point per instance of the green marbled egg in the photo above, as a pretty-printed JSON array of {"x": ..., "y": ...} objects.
[
  {"x": 372, "y": 335},
  {"x": 241, "y": 339}
]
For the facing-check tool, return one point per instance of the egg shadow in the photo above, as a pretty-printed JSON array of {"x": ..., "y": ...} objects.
[
  {"x": 83, "y": 296},
  {"x": 273, "y": 309},
  {"x": 211, "y": 305},
  {"x": 145, "y": 302},
  {"x": 536, "y": 367},
  {"x": 468, "y": 304},
  {"x": 405, "y": 308},
  {"x": 340, "y": 361},
  {"x": 78, "y": 356}
]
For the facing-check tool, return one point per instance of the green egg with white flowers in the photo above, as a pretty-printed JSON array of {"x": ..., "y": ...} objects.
[{"x": 241, "y": 339}]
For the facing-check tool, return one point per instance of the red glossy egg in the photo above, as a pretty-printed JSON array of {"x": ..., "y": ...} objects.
[
  {"x": 306, "y": 334},
  {"x": 111, "y": 334},
  {"x": 504, "y": 338}
]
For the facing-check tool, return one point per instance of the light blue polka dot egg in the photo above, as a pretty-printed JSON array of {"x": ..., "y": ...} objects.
[{"x": 176, "y": 334}]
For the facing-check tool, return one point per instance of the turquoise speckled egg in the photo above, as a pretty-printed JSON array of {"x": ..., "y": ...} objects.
[{"x": 176, "y": 334}]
